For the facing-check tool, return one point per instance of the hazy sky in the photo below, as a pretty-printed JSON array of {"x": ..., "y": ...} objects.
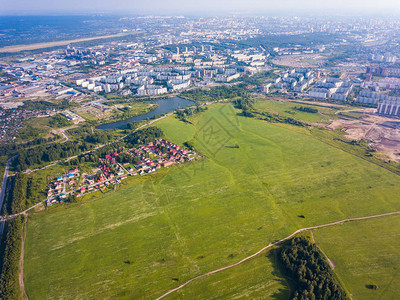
[{"x": 354, "y": 7}]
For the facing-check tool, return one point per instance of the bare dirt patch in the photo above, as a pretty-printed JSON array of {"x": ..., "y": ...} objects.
[{"x": 382, "y": 132}]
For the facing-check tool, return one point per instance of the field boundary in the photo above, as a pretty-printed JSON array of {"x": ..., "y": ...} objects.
[
  {"x": 21, "y": 260},
  {"x": 274, "y": 244}
]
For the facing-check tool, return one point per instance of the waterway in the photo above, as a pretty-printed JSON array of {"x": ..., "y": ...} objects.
[{"x": 164, "y": 106}]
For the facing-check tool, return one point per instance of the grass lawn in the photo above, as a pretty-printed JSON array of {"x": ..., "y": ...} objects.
[
  {"x": 365, "y": 253},
  {"x": 287, "y": 109},
  {"x": 258, "y": 278},
  {"x": 152, "y": 235}
]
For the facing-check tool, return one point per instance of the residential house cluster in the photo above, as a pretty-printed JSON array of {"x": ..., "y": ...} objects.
[
  {"x": 111, "y": 170},
  {"x": 60, "y": 187}
]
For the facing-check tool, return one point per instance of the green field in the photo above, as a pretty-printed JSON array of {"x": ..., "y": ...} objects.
[
  {"x": 287, "y": 109},
  {"x": 365, "y": 253},
  {"x": 34, "y": 128},
  {"x": 162, "y": 230}
]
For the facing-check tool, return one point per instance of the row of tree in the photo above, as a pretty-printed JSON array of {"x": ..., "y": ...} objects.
[
  {"x": 310, "y": 272},
  {"x": 10, "y": 251},
  {"x": 306, "y": 109}
]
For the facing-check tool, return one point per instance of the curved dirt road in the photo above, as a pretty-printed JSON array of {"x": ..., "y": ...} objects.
[{"x": 271, "y": 245}]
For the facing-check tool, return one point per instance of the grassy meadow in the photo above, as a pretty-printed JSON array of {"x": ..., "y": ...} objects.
[
  {"x": 365, "y": 253},
  {"x": 163, "y": 229},
  {"x": 287, "y": 109}
]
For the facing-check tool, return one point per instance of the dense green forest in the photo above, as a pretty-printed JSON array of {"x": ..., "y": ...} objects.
[
  {"x": 10, "y": 251},
  {"x": 309, "y": 271}
]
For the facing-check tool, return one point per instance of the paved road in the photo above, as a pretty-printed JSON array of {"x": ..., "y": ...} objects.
[
  {"x": 274, "y": 244},
  {"x": 3, "y": 192}
]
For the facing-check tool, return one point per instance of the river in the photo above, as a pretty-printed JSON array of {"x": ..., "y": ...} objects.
[{"x": 164, "y": 106}]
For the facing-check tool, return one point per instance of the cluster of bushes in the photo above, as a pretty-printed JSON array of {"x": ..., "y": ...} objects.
[
  {"x": 189, "y": 144},
  {"x": 189, "y": 111},
  {"x": 306, "y": 109},
  {"x": 245, "y": 102},
  {"x": 307, "y": 267},
  {"x": 10, "y": 251},
  {"x": 59, "y": 121},
  {"x": 278, "y": 119}
]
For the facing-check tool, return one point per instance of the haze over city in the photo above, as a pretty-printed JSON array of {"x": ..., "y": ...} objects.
[
  {"x": 354, "y": 7},
  {"x": 208, "y": 149}
]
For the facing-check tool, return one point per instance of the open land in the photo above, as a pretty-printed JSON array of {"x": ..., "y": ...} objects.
[
  {"x": 160, "y": 230},
  {"x": 382, "y": 132},
  {"x": 287, "y": 108},
  {"x": 365, "y": 254}
]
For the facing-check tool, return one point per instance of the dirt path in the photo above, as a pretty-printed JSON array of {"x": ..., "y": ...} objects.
[
  {"x": 274, "y": 244},
  {"x": 331, "y": 262},
  {"x": 21, "y": 261}
]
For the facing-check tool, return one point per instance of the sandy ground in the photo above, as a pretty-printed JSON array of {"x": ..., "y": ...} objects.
[
  {"x": 18, "y": 48},
  {"x": 382, "y": 132}
]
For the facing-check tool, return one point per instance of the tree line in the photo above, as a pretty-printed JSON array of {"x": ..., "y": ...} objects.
[
  {"x": 307, "y": 267},
  {"x": 306, "y": 109},
  {"x": 25, "y": 191},
  {"x": 10, "y": 251}
]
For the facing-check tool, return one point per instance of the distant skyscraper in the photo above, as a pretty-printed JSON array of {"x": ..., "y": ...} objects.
[{"x": 177, "y": 50}]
